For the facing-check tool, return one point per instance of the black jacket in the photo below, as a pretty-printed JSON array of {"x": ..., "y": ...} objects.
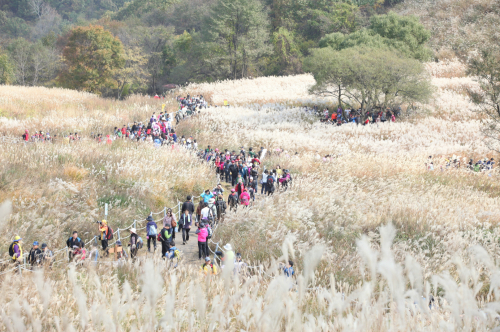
[
  {"x": 188, "y": 205},
  {"x": 71, "y": 242},
  {"x": 233, "y": 169},
  {"x": 35, "y": 254}
]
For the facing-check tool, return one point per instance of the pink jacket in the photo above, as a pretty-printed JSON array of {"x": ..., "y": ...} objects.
[
  {"x": 202, "y": 235},
  {"x": 245, "y": 198}
]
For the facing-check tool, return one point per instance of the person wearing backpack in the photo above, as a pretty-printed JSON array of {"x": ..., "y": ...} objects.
[
  {"x": 263, "y": 181},
  {"x": 74, "y": 240},
  {"x": 173, "y": 252},
  {"x": 233, "y": 169},
  {"x": 208, "y": 267},
  {"x": 152, "y": 233},
  {"x": 165, "y": 237},
  {"x": 188, "y": 205},
  {"x": 245, "y": 197},
  {"x": 212, "y": 215},
  {"x": 16, "y": 250},
  {"x": 104, "y": 234},
  {"x": 232, "y": 200},
  {"x": 221, "y": 207},
  {"x": 202, "y": 232},
  {"x": 270, "y": 184}
]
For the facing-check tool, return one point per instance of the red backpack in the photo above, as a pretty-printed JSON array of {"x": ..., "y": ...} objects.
[{"x": 109, "y": 234}]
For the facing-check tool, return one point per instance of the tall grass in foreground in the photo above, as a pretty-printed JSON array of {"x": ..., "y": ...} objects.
[{"x": 146, "y": 296}]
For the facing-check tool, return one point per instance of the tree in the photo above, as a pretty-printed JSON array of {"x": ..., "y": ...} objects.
[
  {"x": 6, "y": 71},
  {"x": 401, "y": 33},
  {"x": 286, "y": 56},
  {"x": 372, "y": 78},
  {"x": 485, "y": 67},
  {"x": 237, "y": 30},
  {"x": 92, "y": 57}
]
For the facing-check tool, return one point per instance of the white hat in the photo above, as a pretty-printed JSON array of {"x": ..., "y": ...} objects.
[
  {"x": 132, "y": 230},
  {"x": 211, "y": 200},
  {"x": 228, "y": 247}
]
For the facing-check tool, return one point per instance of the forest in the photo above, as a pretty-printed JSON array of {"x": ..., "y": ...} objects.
[{"x": 148, "y": 46}]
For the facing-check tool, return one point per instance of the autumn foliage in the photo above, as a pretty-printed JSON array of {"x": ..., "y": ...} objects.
[{"x": 92, "y": 57}]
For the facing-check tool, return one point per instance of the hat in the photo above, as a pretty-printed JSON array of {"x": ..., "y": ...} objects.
[
  {"x": 44, "y": 245},
  {"x": 132, "y": 230},
  {"x": 228, "y": 247},
  {"x": 207, "y": 259},
  {"x": 211, "y": 201},
  {"x": 232, "y": 190},
  {"x": 149, "y": 218},
  {"x": 104, "y": 221},
  {"x": 75, "y": 247},
  {"x": 17, "y": 238},
  {"x": 118, "y": 243},
  {"x": 35, "y": 243}
]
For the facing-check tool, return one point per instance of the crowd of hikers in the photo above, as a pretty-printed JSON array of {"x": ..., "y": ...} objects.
[{"x": 347, "y": 115}]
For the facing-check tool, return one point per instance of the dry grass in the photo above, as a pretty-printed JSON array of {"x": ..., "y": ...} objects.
[{"x": 355, "y": 272}]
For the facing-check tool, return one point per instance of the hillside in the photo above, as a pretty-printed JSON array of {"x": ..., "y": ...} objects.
[{"x": 374, "y": 233}]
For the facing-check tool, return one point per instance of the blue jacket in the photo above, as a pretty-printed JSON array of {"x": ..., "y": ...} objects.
[{"x": 171, "y": 252}]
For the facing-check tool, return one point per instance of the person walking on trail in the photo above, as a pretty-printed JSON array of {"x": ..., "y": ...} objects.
[
  {"x": 103, "y": 230},
  {"x": 47, "y": 255},
  {"x": 16, "y": 250},
  {"x": 212, "y": 213},
  {"x": 152, "y": 233},
  {"x": 271, "y": 180},
  {"x": 229, "y": 256},
  {"x": 233, "y": 169},
  {"x": 165, "y": 238},
  {"x": 207, "y": 195},
  {"x": 239, "y": 187},
  {"x": 74, "y": 240},
  {"x": 232, "y": 200},
  {"x": 245, "y": 197},
  {"x": 252, "y": 184},
  {"x": 218, "y": 190},
  {"x": 170, "y": 219},
  {"x": 221, "y": 207},
  {"x": 263, "y": 181},
  {"x": 134, "y": 243},
  {"x": 188, "y": 205},
  {"x": 185, "y": 223},
  {"x": 35, "y": 255},
  {"x": 208, "y": 268},
  {"x": 202, "y": 232}
]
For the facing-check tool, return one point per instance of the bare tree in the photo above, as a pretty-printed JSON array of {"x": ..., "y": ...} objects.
[{"x": 36, "y": 6}]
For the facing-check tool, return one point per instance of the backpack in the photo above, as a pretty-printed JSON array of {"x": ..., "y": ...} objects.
[
  {"x": 270, "y": 180},
  {"x": 152, "y": 231},
  {"x": 209, "y": 231},
  {"x": 232, "y": 200},
  {"x": 11, "y": 249},
  {"x": 177, "y": 254},
  {"x": 221, "y": 208},
  {"x": 244, "y": 200},
  {"x": 254, "y": 173},
  {"x": 109, "y": 234}
]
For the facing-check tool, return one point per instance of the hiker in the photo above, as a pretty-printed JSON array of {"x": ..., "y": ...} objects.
[
  {"x": 202, "y": 232},
  {"x": 165, "y": 237},
  {"x": 245, "y": 197},
  {"x": 263, "y": 181},
  {"x": 208, "y": 267},
  {"x": 218, "y": 190},
  {"x": 79, "y": 253},
  {"x": 120, "y": 255},
  {"x": 200, "y": 206},
  {"x": 47, "y": 254},
  {"x": 185, "y": 223},
  {"x": 229, "y": 256},
  {"x": 16, "y": 250},
  {"x": 271, "y": 180},
  {"x": 207, "y": 195},
  {"x": 233, "y": 169},
  {"x": 170, "y": 219},
  {"x": 239, "y": 264},
  {"x": 188, "y": 205},
  {"x": 152, "y": 233},
  {"x": 239, "y": 187},
  {"x": 135, "y": 243},
  {"x": 221, "y": 207},
  {"x": 173, "y": 252},
  {"x": 103, "y": 230},
  {"x": 34, "y": 257},
  {"x": 252, "y": 187},
  {"x": 288, "y": 270},
  {"x": 232, "y": 200},
  {"x": 208, "y": 212},
  {"x": 74, "y": 240}
]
